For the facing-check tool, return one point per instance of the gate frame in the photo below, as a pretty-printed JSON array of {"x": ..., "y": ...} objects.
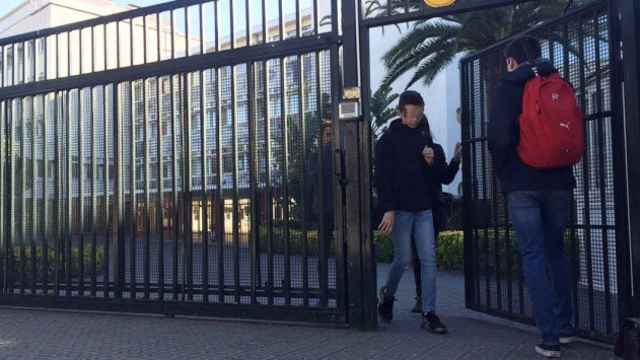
[
  {"x": 627, "y": 22},
  {"x": 174, "y": 66}
]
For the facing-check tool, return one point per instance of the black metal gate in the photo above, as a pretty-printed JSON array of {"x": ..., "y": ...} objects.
[
  {"x": 583, "y": 46},
  {"x": 171, "y": 159}
]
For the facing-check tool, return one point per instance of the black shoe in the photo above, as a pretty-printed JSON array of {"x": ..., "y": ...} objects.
[
  {"x": 385, "y": 306},
  {"x": 549, "y": 351},
  {"x": 417, "y": 309},
  {"x": 431, "y": 322}
]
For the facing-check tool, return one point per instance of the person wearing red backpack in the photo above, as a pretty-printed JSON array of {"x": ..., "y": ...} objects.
[{"x": 535, "y": 135}]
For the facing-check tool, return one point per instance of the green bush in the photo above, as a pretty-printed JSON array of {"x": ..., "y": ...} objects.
[
  {"x": 450, "y": 250},
  {"x": 20, "y": 262}
]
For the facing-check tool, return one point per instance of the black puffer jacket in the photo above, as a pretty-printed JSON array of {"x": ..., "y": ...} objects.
[{"x": 403, "y": 179}]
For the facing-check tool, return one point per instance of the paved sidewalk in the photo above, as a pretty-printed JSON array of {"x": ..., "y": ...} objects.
[{"x": 29, "y": 334}]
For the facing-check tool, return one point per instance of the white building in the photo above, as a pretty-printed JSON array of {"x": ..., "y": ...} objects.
[{"x": 34, "y": 15}]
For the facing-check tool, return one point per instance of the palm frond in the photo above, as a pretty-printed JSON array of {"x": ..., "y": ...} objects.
[{"x": 417, "y": 37}]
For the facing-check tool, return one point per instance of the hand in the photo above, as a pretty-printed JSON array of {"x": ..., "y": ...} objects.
[
  {"x": 429, "y": 155},
  {"x": 386, "y": 226},
  {"x": 457, "y": 153}
]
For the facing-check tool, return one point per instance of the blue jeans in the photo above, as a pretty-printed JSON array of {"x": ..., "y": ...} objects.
[
  {"x": 420, "y": 225},
  {"x": 540, "y": 219}
]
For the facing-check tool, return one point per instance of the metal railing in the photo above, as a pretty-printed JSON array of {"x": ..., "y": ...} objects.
[{"x": 170, "y": 159}]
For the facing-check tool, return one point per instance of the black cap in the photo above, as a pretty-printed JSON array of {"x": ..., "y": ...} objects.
[{"x": 410, "y": 97}]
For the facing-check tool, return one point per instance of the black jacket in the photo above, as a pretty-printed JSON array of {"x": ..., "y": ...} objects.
[
  {"x": 403, "y": 179},
  {"x": 504, "y": 136}
]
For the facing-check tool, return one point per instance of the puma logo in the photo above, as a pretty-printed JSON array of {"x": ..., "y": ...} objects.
[
  {"x": 565, "y": 125},
  {"x": 555, "y": 97}
]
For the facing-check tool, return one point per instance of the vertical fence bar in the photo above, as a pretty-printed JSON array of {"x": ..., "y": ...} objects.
[
  {"x": 342, "y": 293},
  {"x": 9, "y": 204},
  {"x": 253, "y": 179},
  {"x": 201, "y": 29},
  {"x": 58, "y": 119},
  {"x": 236, "y": 202},
  {"x": 247, "y": 23},
  {"x": 176, "y": 208},
  {"x": 45, "y": 194},
  {"x": 572, "y": 216},
  {"x": 23, "y": 215},
  {"x": 94, "y": 202},
  {"x": 285, "y": 178},
  {"x": 118, "y": 187},
  {"x": 82, "y": 219},
  {"x": 186, "y": 141},
  {"x": 144, "y": 39},
  {"x": 304, "y": 203},
  {"x": 4, "y": 254},
  {"x": 147, "y": 215},
  {"x": 265, "y": 28},
  {"x": 281, "y": 24},
  {"x": 34, "y": 202},
  {"x": 602, "y": 170},
  {"x": 483, "y": 156},
  {"x": 323, "y": 231},
  {"x": 204, "y": 197},
  {"x": 160, "y": 187},
  {"x": 69, "y": 212},
  {"x": 133, "y": 248},
  {"x": 220, "y": 231},
  {"x": 109, "y": 218},
  {"x": 298, "y": 24},
  {"x": 469, "y": 272},
  {"x": 585, "y": 174},
  {"x": 269, "y": 190}
]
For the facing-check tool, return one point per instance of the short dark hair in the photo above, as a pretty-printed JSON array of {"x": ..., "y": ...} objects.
[
  {"x": 523, "y": 49},
  {"x": 410, "y": 97}
]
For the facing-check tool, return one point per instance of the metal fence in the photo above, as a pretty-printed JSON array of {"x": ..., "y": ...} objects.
[
  {"x": 171, "y": 159},
  {"x": 580, "y": 46}
]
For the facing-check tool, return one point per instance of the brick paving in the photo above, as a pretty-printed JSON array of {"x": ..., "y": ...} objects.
[{"x": 51, "y": 335}]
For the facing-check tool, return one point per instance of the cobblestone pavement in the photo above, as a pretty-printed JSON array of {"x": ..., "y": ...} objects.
[{"x": 33, "y": 334}]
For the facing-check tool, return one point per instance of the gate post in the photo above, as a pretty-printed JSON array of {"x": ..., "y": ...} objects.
[
  {"x": 628, "y": 12},
  {"x": 360, "y": 264}
]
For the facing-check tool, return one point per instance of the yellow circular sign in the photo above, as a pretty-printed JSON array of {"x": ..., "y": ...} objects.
[{"x": 439, "y": 3}]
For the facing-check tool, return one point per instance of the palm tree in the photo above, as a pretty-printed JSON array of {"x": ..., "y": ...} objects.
[
  {"x": 431, "y": 45},
  {"x": 381, "y": 110}
]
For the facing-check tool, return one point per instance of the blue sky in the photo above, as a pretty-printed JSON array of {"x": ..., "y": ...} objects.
[{"x": 8, "y": 5}]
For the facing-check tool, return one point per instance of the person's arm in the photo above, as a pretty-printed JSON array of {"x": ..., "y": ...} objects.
[
  {"x": 451, "y": 171},
  {"x": 501, "y": 131},
  {"x": 383, "y": 172},
  {"x": 384, "y": 184},
  {"x": 439, "y": 166}
]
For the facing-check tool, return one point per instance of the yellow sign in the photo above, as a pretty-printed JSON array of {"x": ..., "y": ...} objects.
[{"x": 439, "y": 3}]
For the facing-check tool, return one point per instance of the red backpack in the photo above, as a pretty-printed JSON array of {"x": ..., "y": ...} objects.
[{"x": 551, "y": 124}]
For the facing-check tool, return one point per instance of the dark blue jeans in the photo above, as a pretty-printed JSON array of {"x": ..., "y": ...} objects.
[{"x": 540, "y": 219}]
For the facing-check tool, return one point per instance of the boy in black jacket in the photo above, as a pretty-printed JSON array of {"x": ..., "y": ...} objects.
[
  {"x": 539, "y": 200},
  {"x": 407, "y": 167}
]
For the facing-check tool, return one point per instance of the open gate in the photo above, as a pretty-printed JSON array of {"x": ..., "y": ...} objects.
[
  {"x": 171, "y": 159},
  {"x": 187, "y": 158},
  {"x": 583, "y": 46}
]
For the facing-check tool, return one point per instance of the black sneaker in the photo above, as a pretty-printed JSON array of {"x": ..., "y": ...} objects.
[
  {"x": 417, "y": 309},
  {"x": 431, "y": 322},
  {"x": 385, "y": 306},
  {"x": 549, "y": 351}
]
